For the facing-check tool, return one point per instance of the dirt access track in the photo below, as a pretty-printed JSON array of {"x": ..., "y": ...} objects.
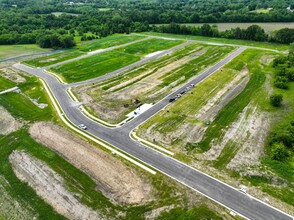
[{"x": 114, "y": 179}]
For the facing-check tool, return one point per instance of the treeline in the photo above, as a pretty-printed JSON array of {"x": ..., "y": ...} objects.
[
  {"x": 45, "y": 39},
  {"x": 167, "y": 11},
  {"x": 253, "y": 32},
  {"x": 281, "y": 139}
]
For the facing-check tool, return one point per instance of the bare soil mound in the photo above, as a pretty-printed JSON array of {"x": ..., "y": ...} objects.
[{"x": 114, "y": 179}]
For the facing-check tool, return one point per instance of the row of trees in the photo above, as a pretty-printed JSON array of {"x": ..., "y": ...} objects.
[
  {"x": 281, "y": 139},
  {"x": 253, "y": 32}
]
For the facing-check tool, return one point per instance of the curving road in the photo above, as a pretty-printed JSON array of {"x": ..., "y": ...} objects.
[{"x": 243, "y": 204}]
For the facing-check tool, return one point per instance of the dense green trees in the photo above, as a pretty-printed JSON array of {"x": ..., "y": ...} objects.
[
  {"x": 276, "y": 100},
  {"x": 23, "y": 20}
]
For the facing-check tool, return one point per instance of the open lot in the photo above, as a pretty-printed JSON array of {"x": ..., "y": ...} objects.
[
  {"x": 113, "y": 98},
  {"x": 100, "y": 64},
  {"x": 9, "y": 51},
  {"x": 82, "y": 48}
]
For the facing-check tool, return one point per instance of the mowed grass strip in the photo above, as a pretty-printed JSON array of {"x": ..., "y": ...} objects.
[
  {"x": 100, "y": 64},
  {"x": 54, "y": 58},
  {"x": 94, "y": 66},
  {"x": 6, "y": 84},
  {"x": 114, "y": 40},
  {"x": 110, "y": 41},
  {"x": 149, "y": 46}
]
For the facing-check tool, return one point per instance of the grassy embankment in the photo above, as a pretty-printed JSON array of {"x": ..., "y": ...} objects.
[
  {"x": 83, "y": 48},
  {"x": 267, "y": 45},
  {"x": 6, "y": 84},
  {"x": 100, "y": 64}
]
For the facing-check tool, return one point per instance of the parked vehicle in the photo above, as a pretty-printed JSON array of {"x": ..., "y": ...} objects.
[{"x": 82, "y": 126}]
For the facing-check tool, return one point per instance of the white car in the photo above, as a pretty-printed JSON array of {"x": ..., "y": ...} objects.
[{"x": 82, "y": 126}]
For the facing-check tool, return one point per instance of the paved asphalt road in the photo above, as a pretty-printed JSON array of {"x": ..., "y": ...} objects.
[{"x": 222, "y": 193}]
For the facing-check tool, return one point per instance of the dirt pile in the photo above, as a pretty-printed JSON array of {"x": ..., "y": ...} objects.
[
  {"x": 113, "y": 178},
  {"x": 50, "y": 186},
  {"x": 7, "y": 123}
]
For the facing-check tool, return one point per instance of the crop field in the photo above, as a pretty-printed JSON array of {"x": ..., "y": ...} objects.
[
  {"x": 100, "y": 64},
  {"x": 82, "y": 48},
  {"x": 151, "y": 82},
  {"x": 267, "y": 26},
  {"x": 274, "y": 46},
  {"x": 9, "y": 51}
]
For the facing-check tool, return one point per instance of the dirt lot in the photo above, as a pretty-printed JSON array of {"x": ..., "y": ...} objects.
[
  {"x": 114, "y": 179},
  {"x": 12, "y": 74},
  {"x": 50, "y": 186},
  {"x": 7, "y": 123}
]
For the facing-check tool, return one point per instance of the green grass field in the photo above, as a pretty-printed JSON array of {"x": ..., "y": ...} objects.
[
  {"x": 82, "y": 48},
  {"x": 231, "y": 111},
  {"x": 273, "y": 46},
  {"x": 6, "y": 84},
  {"x": 100, "y": 64},
  {"x": 111, "y": 41},
  {"x": 54, "y": 58},
  {"x": 9, "y": 51},
  {"x": 21, "y": 107}
]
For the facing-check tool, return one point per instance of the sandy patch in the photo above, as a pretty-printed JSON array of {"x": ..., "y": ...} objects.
[
  {"x": 12, "y": 75},
  {"x": 226, "y": 94},
  {"x": 156, "y": 212},
  {"x": 113, "y": 178},
  {"x": 249, "y": 133},
  {"x": 50, "y": 186},
  {"x": 7, "y": 123},
  {"x": 47, "y": 60}
]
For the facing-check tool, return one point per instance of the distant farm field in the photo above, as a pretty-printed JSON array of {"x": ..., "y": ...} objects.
[
  {"x": 274, "y": 46},
  {"x": 100, "y": 64},
  {"x": 268, "y": 27}
]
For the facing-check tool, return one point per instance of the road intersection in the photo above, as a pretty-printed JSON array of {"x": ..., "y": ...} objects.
[{"x": 231, "y": 198}]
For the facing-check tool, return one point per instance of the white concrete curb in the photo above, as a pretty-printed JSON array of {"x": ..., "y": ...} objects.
[{"x": 144, "y": 142}]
